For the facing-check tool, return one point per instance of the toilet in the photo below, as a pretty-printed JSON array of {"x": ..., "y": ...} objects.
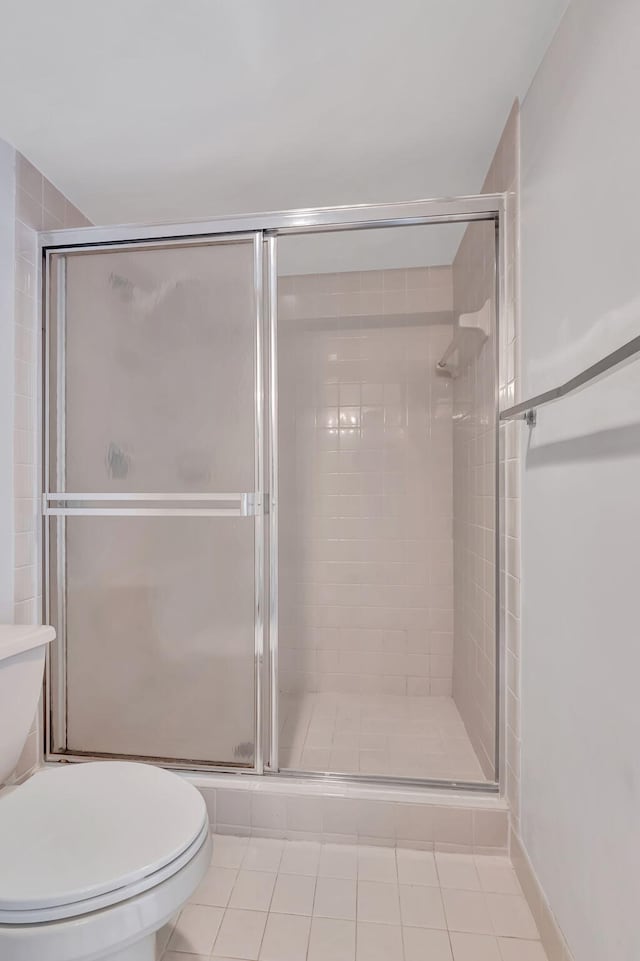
[{"x": 95, "y": 857}]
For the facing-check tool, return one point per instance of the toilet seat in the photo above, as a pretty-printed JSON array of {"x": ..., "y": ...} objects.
[{"x": 88, "y": 836}]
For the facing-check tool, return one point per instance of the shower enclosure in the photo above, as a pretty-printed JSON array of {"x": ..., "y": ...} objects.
[{"x": 270, "y": 492}]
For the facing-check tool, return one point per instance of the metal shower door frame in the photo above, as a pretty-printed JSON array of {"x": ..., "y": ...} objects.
[
  {"x": 60, "y": 504},
  {"x": 266, "y": 228},
  {"x": 464, "y": 210}
]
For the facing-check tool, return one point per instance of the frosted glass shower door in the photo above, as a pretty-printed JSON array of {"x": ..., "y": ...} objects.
[{"x": 155, "y": 526}]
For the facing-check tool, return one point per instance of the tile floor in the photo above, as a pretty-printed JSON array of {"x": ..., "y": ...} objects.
[
  {"x": 271, "y": 900},
  {"x": 421, "y": 737}
]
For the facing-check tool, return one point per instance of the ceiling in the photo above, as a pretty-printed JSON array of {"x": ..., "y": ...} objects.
[{"x": 148, "y": 110}]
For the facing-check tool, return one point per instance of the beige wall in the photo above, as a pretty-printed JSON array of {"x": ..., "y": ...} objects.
[
  {"x": 38, "y": 206},
  {"x": 365, "y": 483},
  {"x": 474, "y": 478}
]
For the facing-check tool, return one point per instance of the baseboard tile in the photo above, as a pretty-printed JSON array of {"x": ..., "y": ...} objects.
[{"x": 551, "y": 936}]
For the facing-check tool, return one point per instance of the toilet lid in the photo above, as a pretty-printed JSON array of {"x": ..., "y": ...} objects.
[{"x": 88, "y": 829}]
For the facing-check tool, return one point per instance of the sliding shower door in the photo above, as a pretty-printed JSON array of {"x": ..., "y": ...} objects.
[
  {"x": 153, "y": 499},
  {"x": 386, "y": 523}
]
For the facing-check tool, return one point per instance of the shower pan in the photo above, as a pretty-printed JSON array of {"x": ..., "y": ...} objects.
[{"x": 270, "y": 501}]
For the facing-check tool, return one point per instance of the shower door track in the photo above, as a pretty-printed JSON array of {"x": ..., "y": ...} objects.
[{"x": 266, "y": 228}]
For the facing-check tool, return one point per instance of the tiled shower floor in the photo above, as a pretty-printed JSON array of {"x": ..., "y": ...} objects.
[
  {"x": 420, "y": 737},
  {"x": 278, "y": 900}
]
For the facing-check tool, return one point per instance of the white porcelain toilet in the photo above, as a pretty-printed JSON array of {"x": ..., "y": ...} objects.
[{"x": 94, "y": 858}]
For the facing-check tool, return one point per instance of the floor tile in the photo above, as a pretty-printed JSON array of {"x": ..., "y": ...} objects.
[
  {"x": 300, "y": 857},
  {"x": 416, "y": 867},
  {"x": 467, "y": 911},
  {"x": 424, "y": 944},
  {"x": 335, "y": 898},
  {"x": 515, "y": 949},
  {"x": 378, "y": 902},
  {"x": 377, "y": 864},
  {"x": 338, "y": 861},
  {"x": 284, "y": 896},
  {"x": 398, "y": 735},
  {"x": 421, "y": 906},
  {"x": 457, "y": 871},
  {"x": 176, "y": 956},
  {"x": 497, "y": 875},
  {"x": 345, "y": 760},
  {"x": 315, "y": 759},
  {"x": 252, "y": 890},
  {"x": 215, "y": 888},
  {"x": 379, "y": 942},
  {"x": 474, "y": 947},
  {"x": 511, "y": 916},
  {"x": 240, "y": 934},
  {"x": 263, "y": 854},
  {"x": 293, "y": 894},
  {"x": 228, "y": 850},
  {"x": 332, "y": 940},
  {"x": 196, "y": 929},
  {"x": 285, "y": 938},
  {"x": 163, "y": 936}
]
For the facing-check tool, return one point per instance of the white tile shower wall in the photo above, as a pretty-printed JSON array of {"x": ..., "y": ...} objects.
[
  {"x": 366, "y": 483},
  {"x": 474, "y": 490},
  {"x": 38, "y": 206}
]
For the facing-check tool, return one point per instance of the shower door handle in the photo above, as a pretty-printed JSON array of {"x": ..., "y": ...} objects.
[
  {"x": 245, "y": 504},
  {"x": 251, "y": 503}
]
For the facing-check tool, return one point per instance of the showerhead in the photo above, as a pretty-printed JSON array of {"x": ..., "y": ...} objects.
[{"x": 443, "y": 368}]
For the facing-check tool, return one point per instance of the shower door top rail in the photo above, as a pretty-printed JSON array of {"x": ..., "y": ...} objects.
[
  {"x": 441, "y": 210},
  {"x": 526, "y": 409}
]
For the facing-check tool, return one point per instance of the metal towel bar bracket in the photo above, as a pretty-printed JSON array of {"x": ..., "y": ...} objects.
[{"x": 527, "y": 408}]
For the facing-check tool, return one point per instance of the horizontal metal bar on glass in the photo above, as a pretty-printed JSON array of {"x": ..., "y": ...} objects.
[
  {"x": 527, "y": 408},
  {"x": 442, "y": 210},
  {"x": 248, "y": 504},
  {"x": 146, "y": 512},
  {"x": 155, "y": 496}
]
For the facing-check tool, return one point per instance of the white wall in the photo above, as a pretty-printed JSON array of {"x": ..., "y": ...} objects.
[
  {"x": 581, "y": 480},
  {"x": 7, "y": 341}
]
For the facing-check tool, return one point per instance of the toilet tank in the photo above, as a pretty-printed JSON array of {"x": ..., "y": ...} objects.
[{"x": 22, "y": 653}]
